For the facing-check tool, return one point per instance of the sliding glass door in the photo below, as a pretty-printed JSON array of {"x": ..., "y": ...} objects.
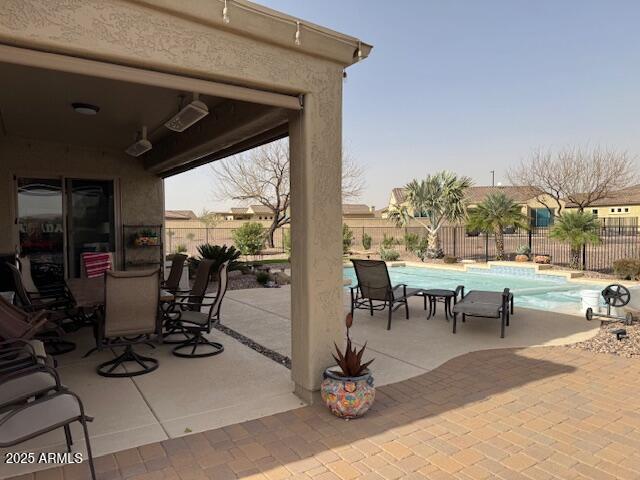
[
  {"x": 90, "y": 220},
  {"x": 41, "y": 227}
]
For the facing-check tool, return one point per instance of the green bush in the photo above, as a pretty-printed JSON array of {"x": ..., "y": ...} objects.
[
  {"x": 219, "y": 254},
  {"x": 449, "y": 259},
  {"x": 366, "y": 241},
  {"x": 389, "y": 254},
  {"x": 347, "y": 238},
  {"x": 411, "y": 240},
  {"x": 523, "y": 250},
  {"x": 388, "y": 241},
  {"x": 249, "y": 238},
  {"x": 627, "y": 268},
  {"x": 420, "y": 248},
  {"x": 262, "y": 277},
  {"x": 180, "y": 248}
]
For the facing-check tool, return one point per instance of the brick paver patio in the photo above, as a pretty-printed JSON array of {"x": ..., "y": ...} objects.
[{"x": 537, "y": 413}]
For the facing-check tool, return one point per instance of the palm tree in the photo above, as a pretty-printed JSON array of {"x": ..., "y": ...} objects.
[
  {"x": 493, "y": 215},
  {"x": 436, "y": 199},
  {"x": 577, "y": 229}
]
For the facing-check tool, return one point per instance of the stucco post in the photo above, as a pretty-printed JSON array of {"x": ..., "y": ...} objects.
[{"x": 316, "y": 236}]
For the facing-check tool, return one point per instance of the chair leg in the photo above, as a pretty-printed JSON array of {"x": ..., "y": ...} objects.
[
  {"x": 92, "y": 469},
  {"x": 371, "y": 306},
  {"x": 147, "y": 364},
  {"x": 445, "y": 307},
  {"x": 464, "y": 318},
  {"x": 455, "y": 320},
  {"x": 390, "y": 313},
  {"x": 406, "y": 308},
  {"x": 68, "y": 438},
  {"x": 503, "y": 318},
  {"x": 194, "y": 343}
]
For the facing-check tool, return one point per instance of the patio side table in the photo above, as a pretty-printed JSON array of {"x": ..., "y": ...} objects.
[{"x": 435, "y": 295}]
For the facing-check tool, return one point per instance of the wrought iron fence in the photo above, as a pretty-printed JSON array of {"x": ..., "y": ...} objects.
[{"x": 619, "y": 239}]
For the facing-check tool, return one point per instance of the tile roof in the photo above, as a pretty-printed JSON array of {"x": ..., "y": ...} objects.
[
  {"x": 626, "y": 196},
  {"x": 180, "y": 215},
  {"x": 477, "y": 194},
  {"x": 356, "y": 208}
]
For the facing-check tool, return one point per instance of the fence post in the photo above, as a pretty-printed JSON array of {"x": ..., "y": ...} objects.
[
  {"x": 486, "y": 246},
  {"x": 530, "y": 234},
  {"x": 584, "y": 257},
  {"x": 206, "y": 234},
  {"x": 455, "y": 234}
]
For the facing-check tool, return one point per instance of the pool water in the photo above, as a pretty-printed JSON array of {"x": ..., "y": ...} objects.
[{"x": 531, "y": 290}]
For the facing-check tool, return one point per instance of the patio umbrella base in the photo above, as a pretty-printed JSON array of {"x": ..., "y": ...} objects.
[
  {"x": 146, "y": 364},
  {"x": 189, "y": 349}
]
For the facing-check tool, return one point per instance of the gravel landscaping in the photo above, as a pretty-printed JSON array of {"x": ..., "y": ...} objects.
[{"x": 606, "y": 342}]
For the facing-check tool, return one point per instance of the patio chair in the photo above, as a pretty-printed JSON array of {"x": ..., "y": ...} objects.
[
  {"x": 51, "y": 291},
  {"x": 16, "y": 323},
  {"x": 172, "y": 283},
  {"x": 47, "y": 413},
  {"x": 484, "y": 304},
  {"x": 196, "y": 323},
  {"x": 374, "y": 291},
  {"x": 173, "y": 311},
  {"x": 130, "y": 316},
  {"x": 17, "y": 354}
]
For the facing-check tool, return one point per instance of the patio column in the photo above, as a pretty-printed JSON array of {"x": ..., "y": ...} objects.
[{"x": 315, "y": 136}]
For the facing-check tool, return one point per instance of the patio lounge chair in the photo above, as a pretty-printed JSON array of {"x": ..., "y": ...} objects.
[
  {"x": 15, "y": 323},
  {"x": 195, "y": 322},
  {"x": 17, "y": 354},
  {"x": 130, "y": 316},
  {"x": 172, "y": 283},
  {"x": 173, "y": 311},
  {"x": 375, "y": 292},
  {"x": 483, "y": 304}
]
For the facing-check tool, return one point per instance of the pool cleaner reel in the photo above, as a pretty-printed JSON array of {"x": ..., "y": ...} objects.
[{"x": 614, "y": 295}]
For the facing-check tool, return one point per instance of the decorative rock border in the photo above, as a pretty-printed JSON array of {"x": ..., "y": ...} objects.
[{"x": 261, "y": 349}]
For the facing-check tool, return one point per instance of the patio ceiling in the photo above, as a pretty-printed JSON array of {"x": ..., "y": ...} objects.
[{"x": 36, "y": 103}]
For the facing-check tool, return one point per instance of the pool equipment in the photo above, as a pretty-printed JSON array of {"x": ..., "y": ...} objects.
[{"x": 614, "y": 295}]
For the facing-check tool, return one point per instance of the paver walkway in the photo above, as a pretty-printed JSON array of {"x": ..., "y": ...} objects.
[{"x": 536, "y": 413}]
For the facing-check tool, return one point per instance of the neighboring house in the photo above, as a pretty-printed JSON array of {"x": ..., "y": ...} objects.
[
  {"x": 250, "y": 213},
  {"x": 526, "y": 197},
  {"x": 180, "y": 215},
  {"x": 624, "y": 204},
  {"x": 358, "y": 210}
]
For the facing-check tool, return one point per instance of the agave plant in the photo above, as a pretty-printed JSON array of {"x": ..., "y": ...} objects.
[
  {"x": 219, "y": 254},
  {"x": 350, "y": 362}
]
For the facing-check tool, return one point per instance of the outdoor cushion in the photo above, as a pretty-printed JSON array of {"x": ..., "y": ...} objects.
[
  {"x": 38, "y": 417},
  {"x": 95, "y": 264},
  {"x": 26, "y": 386},
  {"x": 196, "y": 318},
  {"x": 477, "y": 308}
]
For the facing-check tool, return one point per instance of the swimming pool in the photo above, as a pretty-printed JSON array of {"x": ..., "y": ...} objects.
[{"x": 531, "y": 289}]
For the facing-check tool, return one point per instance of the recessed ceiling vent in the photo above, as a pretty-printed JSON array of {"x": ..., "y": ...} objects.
[
  {"x": 141, "y": 146},
  {"x": 190, "y": 114}
]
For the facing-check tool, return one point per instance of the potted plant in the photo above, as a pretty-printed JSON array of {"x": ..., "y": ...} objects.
[
  {"x": 522, "y": 253},
  {"x": 146, "y": 237},
  {"x": 348, "y": 392}
]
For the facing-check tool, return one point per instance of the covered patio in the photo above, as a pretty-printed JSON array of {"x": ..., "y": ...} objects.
[{"x": 94, "y": 97}]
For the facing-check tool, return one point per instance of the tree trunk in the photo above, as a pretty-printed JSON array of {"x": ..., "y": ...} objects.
[
  {"x": 433, "y": 241},
  {"x": 270, "y": 233},
  {"x": 499, "y": 244},
  {"x": 576, "y": 260}
]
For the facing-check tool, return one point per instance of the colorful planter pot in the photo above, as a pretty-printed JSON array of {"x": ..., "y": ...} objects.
[
  {"x": 347, "y": 397},
  {"x": 544, "y": 259}
]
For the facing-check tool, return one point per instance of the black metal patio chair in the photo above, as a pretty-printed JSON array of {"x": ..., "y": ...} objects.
[
  {"x": 374, "y": 291},
  {"x": 172, "y": 283},
  {"x": 484, "y": 304}
]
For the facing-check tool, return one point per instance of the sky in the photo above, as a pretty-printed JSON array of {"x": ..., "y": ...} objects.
[{"x": 471, "y": 86}]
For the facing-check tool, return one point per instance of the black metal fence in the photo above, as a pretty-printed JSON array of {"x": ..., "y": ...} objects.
[{"x": 619, "y": 239}]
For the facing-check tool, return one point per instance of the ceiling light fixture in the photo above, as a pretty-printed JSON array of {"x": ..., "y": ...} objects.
[
  {"x": 141, "y": 146},
  {"x": 85, "y": 108},
  {"x": 188, "y": 115}
]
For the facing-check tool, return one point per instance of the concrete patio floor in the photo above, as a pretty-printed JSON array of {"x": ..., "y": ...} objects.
[{"x": 196, "y": 395}]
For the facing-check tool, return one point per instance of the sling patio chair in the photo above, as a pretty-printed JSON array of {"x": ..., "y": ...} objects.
[
  {"x": 130, "y": 316},
  {"x": 374, "y": 291},
  {"x": 196, "y": 322},
  {"x": 18, "y": 354},
  {"x": 15, "y": 323},
  {"x": 172, "y": 283},
  {"x": 175, "y": 333},
  {"x": 478, "y": 303},
  {"x": 56, "y": 290}
]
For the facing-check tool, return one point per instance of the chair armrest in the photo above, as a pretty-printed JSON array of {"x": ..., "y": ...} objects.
[
  {"x": 459, "y": 292},
  {"x": 399, "y": 285}
]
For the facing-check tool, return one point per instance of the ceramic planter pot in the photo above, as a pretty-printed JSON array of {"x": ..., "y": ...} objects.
[
  {"x": 545, "y": 259},
  {"x": 347, "y": 397},
  {"x": 522, "y": 258}
]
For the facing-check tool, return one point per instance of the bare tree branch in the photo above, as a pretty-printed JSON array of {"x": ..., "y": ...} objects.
[{"x": 574, "y": 175}]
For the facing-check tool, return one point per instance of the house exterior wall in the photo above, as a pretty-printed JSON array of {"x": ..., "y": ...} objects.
[
  {"x": 141, "y": 193},
  {"x": 627, "y": 211}
]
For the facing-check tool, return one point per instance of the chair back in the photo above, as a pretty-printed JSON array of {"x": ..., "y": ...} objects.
[
  {"x": 177, "y": 266},
  {"x": 21, "y": 292},
  {"x": 223, "y": 282},
  {"x": 24, "y": 263},
  {"x": 203, "y": 274},
  {"x": 14, "y": 323},
  {"x": 373, "y": 279},
  {"x": 131, "y": 302}
]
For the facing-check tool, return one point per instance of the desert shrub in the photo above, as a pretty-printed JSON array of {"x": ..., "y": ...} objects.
[
  {"x": 627, "y": 268},
  {"x": 219, "y": 254},
  {"x": 180, "y": 248},
  {"x": 262, "y": 277},
  {"x": 449, "y": 259},
  {"x": 366, "y": 241},
  {"x": 249, "y": 238},
  {"x": 523, "y": 250},
  {"x": 420, "y": 248},
  {"x": 389, "y": 254},
  {"x": 347, "y": 238},
  {"x": 410, "y": 241},
  {"x": 388, "y": 241}
]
